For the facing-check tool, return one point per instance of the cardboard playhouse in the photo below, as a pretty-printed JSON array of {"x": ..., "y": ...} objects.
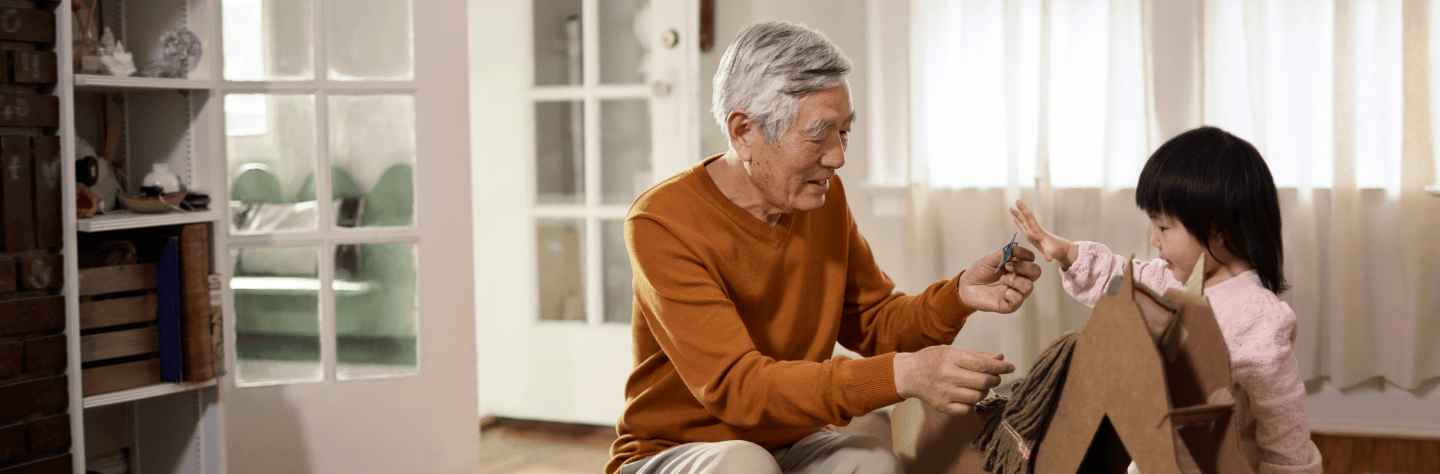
[{"x": 1148, "y": 381}]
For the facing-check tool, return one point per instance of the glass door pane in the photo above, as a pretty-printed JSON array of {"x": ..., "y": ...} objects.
[
  {"x": 624, "y": 150},
  {"x": 370, "y": 40},
  {"x": 560, "y": 262},
  {"x": 372, "y": 148},
  {"x": 558, "y": 51},
  {"x": 277, "y": 313},
  {"x": 375, "y": 308},
  {"x": 624, "y": 32},
  {"x": 560, "y": 152},
  {"x": 270, "y": 145},
  {"x": 619, "y": 296},
  {"x": 269, "y": 40}
]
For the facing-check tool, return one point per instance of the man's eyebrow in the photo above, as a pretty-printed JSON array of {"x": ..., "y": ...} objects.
[{"x": 821, "y": 124}]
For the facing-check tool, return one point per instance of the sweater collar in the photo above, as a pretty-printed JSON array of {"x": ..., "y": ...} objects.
[{"x": 735, "y": 213}]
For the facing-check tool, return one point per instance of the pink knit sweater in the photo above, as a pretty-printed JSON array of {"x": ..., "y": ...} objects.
[{"x": 1259, "y": 330}]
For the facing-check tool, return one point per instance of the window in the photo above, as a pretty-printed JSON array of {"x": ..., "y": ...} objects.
[{"x": 1006, "y": 91}]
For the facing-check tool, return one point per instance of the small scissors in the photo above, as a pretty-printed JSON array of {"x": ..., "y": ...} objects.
[{"x": 1008, "y": 248}]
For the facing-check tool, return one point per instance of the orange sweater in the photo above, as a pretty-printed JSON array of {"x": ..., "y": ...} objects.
[{"x": 735, "y": 321}]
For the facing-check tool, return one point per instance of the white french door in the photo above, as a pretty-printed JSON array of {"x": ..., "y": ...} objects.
[
  {"x": 580, "y": 105},
  {"x": 347, "y": 248}
]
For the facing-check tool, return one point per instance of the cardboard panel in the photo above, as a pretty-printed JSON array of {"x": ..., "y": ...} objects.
[
  {"x": 49, "y": 209},
  {"x": 1114, "y": 396},
  {"x": 36, "y": 396},
  {"x": 121, "y": 376},
  {"x": 114, "y": 312},
  {"x": 48, "y": 434},
  {"x": 116, "y": 278},
  {"x": 32, "y": 314},
  {"x": 45, "y": 354},
  {"x": 16, "y": 211},
  {"x": 32, "y": 67},
  {"x": 110, "y": 345},
  {"x": 38, "y": 273},
  {"x": 1147, "y": 372}
]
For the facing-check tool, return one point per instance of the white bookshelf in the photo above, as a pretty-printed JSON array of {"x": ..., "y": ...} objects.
[
  {"x": 126, "y": 219},
  {"x": 91, "y": 82},
  {"x": 141, "y": 393},
  {"x": 163, "y": 427}
]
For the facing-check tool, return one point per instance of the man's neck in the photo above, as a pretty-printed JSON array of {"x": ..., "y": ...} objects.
[{"x": 730, "y": 175}]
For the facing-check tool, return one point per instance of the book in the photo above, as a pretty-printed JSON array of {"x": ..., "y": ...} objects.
[
  {"x": 168, "y": 313},
  {"x": 217, "y": 324},
  {"x": 195, "y": 320}
]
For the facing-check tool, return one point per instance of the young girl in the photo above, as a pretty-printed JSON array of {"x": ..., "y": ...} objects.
[{"x": 1209, "y": 192}]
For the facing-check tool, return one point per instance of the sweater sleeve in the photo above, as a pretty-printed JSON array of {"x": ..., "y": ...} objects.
[
  {"x": 699, "y": 329},
  {"x": 880, "y": 320},
  {"x": 1263, "y": 364},
  {"x": 1091, "y": 272}
]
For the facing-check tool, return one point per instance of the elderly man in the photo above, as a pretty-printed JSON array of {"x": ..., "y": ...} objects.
[{"x": 749, "y": 268}]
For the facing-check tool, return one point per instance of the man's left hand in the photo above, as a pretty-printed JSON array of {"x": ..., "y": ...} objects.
[{"x": 982, "y": 288}]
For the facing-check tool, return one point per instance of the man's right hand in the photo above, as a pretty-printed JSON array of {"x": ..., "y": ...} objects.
[{"x": 949, "y": 378}]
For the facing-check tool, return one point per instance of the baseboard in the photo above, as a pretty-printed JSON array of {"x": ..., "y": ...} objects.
[{"x": 1360, "y": 427}]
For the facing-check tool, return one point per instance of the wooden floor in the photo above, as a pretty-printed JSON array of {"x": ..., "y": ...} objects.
[
  {"x": 1361, "y": 455},
  {"x": 510, "y": 446}
]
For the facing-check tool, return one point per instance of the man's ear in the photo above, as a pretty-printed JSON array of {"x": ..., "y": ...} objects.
[{"x": 741, "y": 131}]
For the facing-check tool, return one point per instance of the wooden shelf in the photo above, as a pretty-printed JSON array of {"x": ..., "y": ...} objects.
[
  {"x": 141, "y": 393},
  {"x": 93, "y": 82},
  {"x": 125, "y": 219}
]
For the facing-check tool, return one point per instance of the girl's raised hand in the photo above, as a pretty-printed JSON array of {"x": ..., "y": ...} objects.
[{"x": 1052, "y": 246}]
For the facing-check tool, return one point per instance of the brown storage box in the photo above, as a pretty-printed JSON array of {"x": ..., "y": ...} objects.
[{"x": 121, "y": 297}]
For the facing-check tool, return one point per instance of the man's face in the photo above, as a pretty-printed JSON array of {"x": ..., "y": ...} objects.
[{"x": 794, "y": 173}]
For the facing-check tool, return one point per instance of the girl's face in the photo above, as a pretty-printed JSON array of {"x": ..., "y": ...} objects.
[{"x": 1176, "y": 245}]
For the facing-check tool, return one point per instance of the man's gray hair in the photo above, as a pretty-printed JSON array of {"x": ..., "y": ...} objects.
[{"x": 769, "y": 67}]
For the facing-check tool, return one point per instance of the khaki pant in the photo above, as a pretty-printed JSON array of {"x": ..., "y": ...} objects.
[{"x": 823, "y": 452}]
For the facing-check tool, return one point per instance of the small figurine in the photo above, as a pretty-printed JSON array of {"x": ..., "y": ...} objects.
[
  {"x": 1008, "y": 248},
  {"x": 117, "y": 61}
]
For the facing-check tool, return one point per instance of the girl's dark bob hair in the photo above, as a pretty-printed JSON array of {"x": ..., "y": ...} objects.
[{"x": 1217, "y": 184}]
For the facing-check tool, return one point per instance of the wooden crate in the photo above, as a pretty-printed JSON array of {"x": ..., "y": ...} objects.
[{"x": 119, "y": 342}]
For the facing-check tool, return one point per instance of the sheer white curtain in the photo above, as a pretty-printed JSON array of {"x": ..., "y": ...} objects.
[
  {"x": 1337, "y": 95},
  {"x": 1051, "y": 101},
  {"x": 1046, "y": 101}
]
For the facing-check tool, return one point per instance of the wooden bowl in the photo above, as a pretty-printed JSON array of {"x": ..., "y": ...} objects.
[{"x": 152, "y": 204}]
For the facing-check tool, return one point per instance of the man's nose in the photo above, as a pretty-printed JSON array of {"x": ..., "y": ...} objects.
[{"x": 833, "y": 158}]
